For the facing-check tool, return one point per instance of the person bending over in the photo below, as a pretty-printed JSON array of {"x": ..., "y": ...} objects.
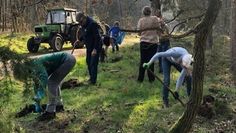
[{"x": 181, "y": 60}]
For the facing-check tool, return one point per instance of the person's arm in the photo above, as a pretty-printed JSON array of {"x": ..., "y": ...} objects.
[
  {"x": 166, "y": 28},
  {"x": 96, "y": 36},
  {"x": 160, "y": 54},
  {"x": 40, "y": 84},
  {"x": 158, "y": 24},
  {"x": 139, "y": 26},
  {"x": 119, "y": 33},
  {"x": 111, "y": 32},
  {"x": 81, "y": 35},
  {"x": 180, "y": 79}
]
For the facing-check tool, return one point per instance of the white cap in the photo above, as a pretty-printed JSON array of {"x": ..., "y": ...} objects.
[{"x": 187, "y": 60}]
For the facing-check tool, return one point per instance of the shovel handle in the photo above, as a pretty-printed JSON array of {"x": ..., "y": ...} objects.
[
  {"x": 166, "y": 87},
  {"x": 74, "y": 44}
]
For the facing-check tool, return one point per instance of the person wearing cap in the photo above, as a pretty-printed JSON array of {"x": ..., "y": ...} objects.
[
  {"x": 149, "y": 40},
  {"x": 179, "y": 58},
  {"x": 92, "y": 39}
]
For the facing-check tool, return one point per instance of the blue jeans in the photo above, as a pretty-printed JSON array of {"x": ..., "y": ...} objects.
[
  {"x": 166, "y": 65},
  {"x": 92, "y": 64},
  {"x": 164, "y": 45}
]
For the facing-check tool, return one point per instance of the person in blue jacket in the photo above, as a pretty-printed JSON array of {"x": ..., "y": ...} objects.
[
  {"x": 181, "y": 60},
  {"x": 92, "y": 39},
  {"x": 116, "y": 36},
  {"x": 47, "y": 71}
]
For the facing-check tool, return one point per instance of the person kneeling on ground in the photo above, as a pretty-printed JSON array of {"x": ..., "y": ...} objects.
[
  {"x": 48, "y": 70},
  {"x": 181, "y": 60}
]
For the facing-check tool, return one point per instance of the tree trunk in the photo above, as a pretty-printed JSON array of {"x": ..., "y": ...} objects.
[
  {"x": 156, "y": 6},
  {"x": 3, "y": 15},
  {"x": 233, "y": 39},
  {"x": 184, "y": 124},
  {"x": 120, "y": 12},
  {"x": 210, "y": 39}
]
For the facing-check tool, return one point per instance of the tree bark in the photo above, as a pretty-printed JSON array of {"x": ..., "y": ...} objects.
[
  {"x": 233, "y": 39},
  {"x": 210, "y": 39},
  {"x": 156, "y": 6},
  {"x": 184, "y": 124},
  {"x": 3, "y": 15}
]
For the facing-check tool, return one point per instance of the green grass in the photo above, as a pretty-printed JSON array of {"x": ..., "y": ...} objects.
[
  {"x": 18, "y": 42},
  {"x": 116, "y": 104}
]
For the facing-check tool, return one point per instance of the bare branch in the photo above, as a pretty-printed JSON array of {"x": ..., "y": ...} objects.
[
  {"x": 24, "y": 6},
  {"x": 186, "y": 20},
  {"x": 190, "y": 32},
  {"x": 179, "y": 13},
  {"x": 136, "y": 31}
]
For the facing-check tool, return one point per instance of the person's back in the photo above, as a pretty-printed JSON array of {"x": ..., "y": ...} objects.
[
  {"x": 114, "y": 32},
  {"x": 177, "y": 52},
  {"x": 146, "y": 22},
  {"x": 51, "y": 61},
  {"x": 147, "y": 25}
]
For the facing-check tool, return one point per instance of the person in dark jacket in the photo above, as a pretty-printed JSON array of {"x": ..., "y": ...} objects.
[{"x": 92, "y": 39}]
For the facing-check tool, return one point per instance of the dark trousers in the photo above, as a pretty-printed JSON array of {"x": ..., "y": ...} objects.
[
  {"x": 164, "y": 45},
  {"x": 92, "y": 63},
  {"x": 115, "y": 46},
  {"x": 166, "y": 64},
  {"x": 147, "y": 50}
]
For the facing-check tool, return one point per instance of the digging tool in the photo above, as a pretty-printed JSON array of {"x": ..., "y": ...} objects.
[
  {"x": 74, "y": 46},
  {"x": 167, "y": 87}
]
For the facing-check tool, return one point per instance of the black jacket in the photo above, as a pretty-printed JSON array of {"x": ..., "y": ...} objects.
[{"x": 91, "y": 36}]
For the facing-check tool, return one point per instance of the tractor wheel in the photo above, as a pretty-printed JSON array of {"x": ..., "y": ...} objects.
[
  {"x": 32, "y": 46},
  {"x": 57, "y": 43}
]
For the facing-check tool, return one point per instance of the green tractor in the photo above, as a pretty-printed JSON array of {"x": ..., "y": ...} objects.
[{"x": 61, "y": 26}]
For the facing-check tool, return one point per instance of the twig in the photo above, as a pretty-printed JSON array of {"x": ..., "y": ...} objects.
[
  {"x": 136, "y": 31},
  {"x": 179, "y": 13},
  {"x": 133, "y": 103},
  {"x": 186, "y": 20}
]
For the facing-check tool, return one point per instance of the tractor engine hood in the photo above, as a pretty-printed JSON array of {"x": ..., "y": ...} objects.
[{"x": 45, "y": 30}]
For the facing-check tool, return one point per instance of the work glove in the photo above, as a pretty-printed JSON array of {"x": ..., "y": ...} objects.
[
  {"x": 176, "y": 95},
  {"x": 37, "y": 98},
  {"x": 146, "y": 65}
]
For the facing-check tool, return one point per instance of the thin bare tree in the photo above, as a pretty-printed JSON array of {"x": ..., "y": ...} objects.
[{"x": 233, "y": 39}]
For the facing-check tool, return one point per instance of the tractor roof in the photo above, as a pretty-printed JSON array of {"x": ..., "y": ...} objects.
[{"x": 64, "y": 9}]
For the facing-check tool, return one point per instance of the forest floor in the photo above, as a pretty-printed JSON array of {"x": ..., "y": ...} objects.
[{"x": 118, "y": 103}]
